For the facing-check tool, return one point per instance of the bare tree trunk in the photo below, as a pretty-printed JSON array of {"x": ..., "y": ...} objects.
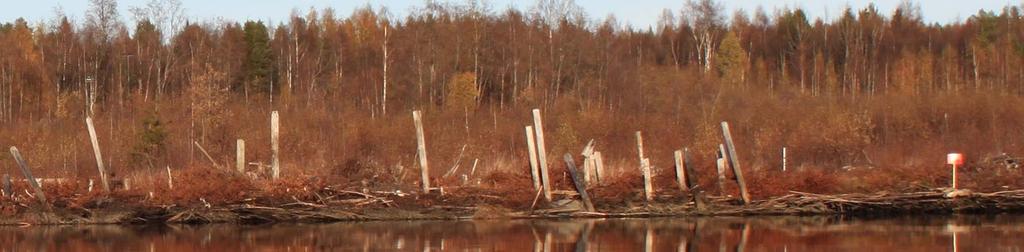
[{"x": 384, "y": 93}]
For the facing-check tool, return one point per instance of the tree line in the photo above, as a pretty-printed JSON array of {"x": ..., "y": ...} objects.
[
  {"x": 165, "y": 69},
  {"x": 374, "y": 60}
]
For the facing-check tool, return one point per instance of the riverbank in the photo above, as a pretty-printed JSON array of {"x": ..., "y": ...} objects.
[{"x": 359, "y": 206}]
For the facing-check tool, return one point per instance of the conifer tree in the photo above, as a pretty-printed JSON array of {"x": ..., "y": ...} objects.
[{"x": 732, "y": 60}]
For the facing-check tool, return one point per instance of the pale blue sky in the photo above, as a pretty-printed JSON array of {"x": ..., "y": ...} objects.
[{"x": 639, "y": 13}]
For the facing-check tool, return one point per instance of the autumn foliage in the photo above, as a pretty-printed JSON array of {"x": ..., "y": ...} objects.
[{"x": 868, "y": 101}]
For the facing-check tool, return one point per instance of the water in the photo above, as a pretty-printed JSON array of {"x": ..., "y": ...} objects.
[{"x": 924, "y": 233}]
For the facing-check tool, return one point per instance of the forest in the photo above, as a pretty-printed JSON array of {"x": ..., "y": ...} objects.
[{"x": 869, "y": 100}]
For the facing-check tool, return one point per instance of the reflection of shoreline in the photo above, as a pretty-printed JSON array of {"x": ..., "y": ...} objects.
[{"x": 655, "y": 234}]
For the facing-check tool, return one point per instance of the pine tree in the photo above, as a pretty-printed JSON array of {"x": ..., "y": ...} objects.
[
  {"x": 258, "y": 64},
  {"x": 732, "y": 60}
]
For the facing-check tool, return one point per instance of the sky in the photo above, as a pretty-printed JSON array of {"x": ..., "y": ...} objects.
[{"x": 637, "y": 13}]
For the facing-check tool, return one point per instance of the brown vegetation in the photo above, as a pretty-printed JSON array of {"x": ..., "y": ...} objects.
[{"x": 863, "y": 103}]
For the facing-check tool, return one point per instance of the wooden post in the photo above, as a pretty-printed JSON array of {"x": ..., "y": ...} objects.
[
  {"x": 783, "y": 159},
  {"x": 691, "y": 182},
  {"x": 240, "y": 155},
  {"x": 648, "y": 183},
  {"x": 96, "y": 151},
  {"x": 542, "y": 159},
  {"x": 275, "y": 147},
  {"x": 735, "y": 163},
  {"x": 599, "y": 166},
  {"x": 28, "y": 176},
  {"x": 680, "y": 170},
  {"x": 588, "y": 153},
  {"x": 534, "y": 172},
  {"x": 720, "y": 164},
  {"x": 954, "y": 177},
  {"x": 645, "y": 167},
  {"x": 581, "y": 186},
  {"x": 592, "y": 163},
  {"x": 7, "y": 185},
  {"x": 170, "y": 181},
  {"x": 421, "y": 151}
]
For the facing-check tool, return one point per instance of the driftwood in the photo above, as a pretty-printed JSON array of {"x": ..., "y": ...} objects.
[{"x": 935, "y": 201}]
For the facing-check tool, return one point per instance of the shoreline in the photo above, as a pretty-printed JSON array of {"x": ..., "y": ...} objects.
[{"x": 795, "y": 204}]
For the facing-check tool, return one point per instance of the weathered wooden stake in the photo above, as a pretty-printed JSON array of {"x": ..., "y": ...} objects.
[
  {"x": 691, "y": 182},
  {"x": 645, "y": 167},
  {"x": 96, "y": 151},
  {"x": 542, "y": 154},
  {"x": 588, "y": 153},
  {"x": 421, "y": 151},
  {"x": 720, "y": 163},
  {"x": 581, "y": 186},
  {"x": 240, "y": 155},
  {"x": 954, "y": 177},
  {"x": 783, "y": 158},
  {"x": 599, "y": 166},
  {"x": 534, "y": 170},
  {"x": 28, "y": 176},
  {"x": 275, "y": 148},
  {"x": 648, "y": 181},
  {"x": 7, "y": 185},
  {"x": 170, "y": 181},
  {"x": 680, "y": 170},
  {"x": 735, "y": 163}
]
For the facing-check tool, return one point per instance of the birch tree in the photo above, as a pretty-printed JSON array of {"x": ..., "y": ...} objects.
[{"x": 706, "y": 19}]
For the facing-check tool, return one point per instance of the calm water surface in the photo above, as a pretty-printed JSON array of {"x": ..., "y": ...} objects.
[{"x": 923, "y": 233}]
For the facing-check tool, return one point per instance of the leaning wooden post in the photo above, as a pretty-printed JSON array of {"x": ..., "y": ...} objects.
[
  {"x": 645, "y": 167},
  {"x": 96, "y": 151},
  {"x": 421, "y": 151},
  {"x": 581, "y": 186},
  {"x": 206, "y": 154},
  {"x": 535, "y": 174},
  {"x": 542, "y": 158},
  {"x": 28, "y": 175},
  {"x": 275, "y": 147},
  {"x": 735, "y": 163},
  {"x": 170, "y": 180},
  {"x": 240, "y": 155},
  {"x": 680, "y": 172}
]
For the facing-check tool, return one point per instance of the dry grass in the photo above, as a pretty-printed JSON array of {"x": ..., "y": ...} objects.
[{"x": 835, "y": 146}]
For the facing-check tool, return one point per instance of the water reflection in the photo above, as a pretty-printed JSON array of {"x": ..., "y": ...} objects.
[{"x": 928, "y": 233}]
